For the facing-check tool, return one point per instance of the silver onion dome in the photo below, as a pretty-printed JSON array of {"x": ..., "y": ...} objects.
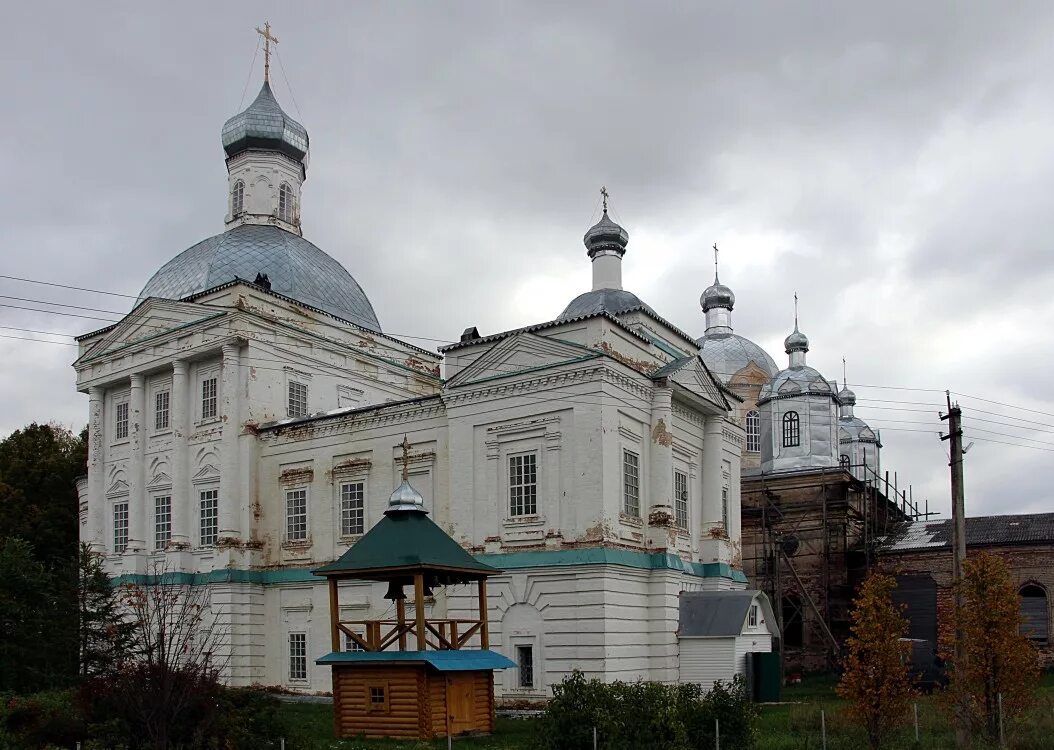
[
  {"x": 717, "y": 295},
  {"x": 796, "y": 342},
  {"x": 406, "y": 498},
  {"x": 606, "y": 235},
  {"x": 265, "y": 126},
  {"x": 846, "y": 396},
  {"x": 294, "y": 267}
]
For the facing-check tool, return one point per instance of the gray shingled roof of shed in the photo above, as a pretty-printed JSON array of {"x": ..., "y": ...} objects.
[
  {"x": 981, "y": 531},
  {"x": 713, "y": 613}
]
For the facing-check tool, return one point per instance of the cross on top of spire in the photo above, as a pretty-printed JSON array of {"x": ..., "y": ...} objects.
[
  {"x": 715, "y": 262},
  {"x": 604, "y": 194},
  {"x": 406, "y": 458},
  {"x": 268, "y": 37},
  {"x": 795, "y": 311}
]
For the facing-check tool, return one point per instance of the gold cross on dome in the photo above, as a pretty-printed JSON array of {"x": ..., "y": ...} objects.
[
  {"x": 406, "y": 458},
  {"x": 604, "y": 193},
  {"x": 265, "y": 32}
]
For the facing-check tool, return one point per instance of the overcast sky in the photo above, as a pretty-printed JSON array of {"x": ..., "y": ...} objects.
[{"x": 890, "y": 162}]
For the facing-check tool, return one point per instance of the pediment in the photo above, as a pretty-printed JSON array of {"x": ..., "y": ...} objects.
[
  {"x": 691, "y": 374},
  {"x": 843, "y": 435},
  {"x": 153, "y": 318},
  {"x": 119, "y": 487},
  {"x": 161, "y": 479},
  {"x": 819, "y": 385},
  {"x": 867, "y": 433},
  {"x": 518, "y": 353},
  {"x": 206, "y": 473},
  {"x": 789, "y": 387}
]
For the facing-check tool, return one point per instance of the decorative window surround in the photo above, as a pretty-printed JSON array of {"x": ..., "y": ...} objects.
[
  {"x": 523, "y": 484},
  {"x": 352, "y": 509},
  {"x": 208, "y": 380}
]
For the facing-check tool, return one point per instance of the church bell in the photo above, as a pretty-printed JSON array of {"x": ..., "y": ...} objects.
[{"x": 395, "y": 591}]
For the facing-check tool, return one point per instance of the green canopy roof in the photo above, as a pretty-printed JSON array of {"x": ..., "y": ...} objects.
[{"x": 405, "y": 541}]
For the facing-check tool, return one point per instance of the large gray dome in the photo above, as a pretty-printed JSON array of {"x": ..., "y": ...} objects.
[
  {"x": 613, "y": 301},
  {"x": 294, "y": 267},
  {"x": 728, "y": 353}
]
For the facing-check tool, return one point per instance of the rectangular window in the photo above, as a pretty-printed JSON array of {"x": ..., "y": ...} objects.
[
  {"x": 752, "y": 619},
  {"x": 724, "y": 507},
  {"x": 120, "y": 527},
  {"x": 296, "y": 515},
  {"x": 210, "y": 500},
  {"x": 120, "y": 427},
  {"x": 377, "y": 698},
  {"x": 630, "y": 483},
  {"x": 680, "y": 499},
  {"x": 162, "y": 521},
  {"x": 208, "y": 398},
  {"x": 298, "y": 656},
  {"x": 523, "y": 485},
  {"x": 525, "y": 662},
  {"x": 352, "y": 515},
  {"x": 297, "y": 399},
  {"x": 161, "y": 399}
]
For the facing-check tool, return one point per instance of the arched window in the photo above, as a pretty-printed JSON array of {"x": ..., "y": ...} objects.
[
  {"x": 1034, "y": 613},
  {"x": 843, "y": 461},
  {"x": 791, "y": 433},
  {"x": 237, "y": 198},
  {"x": 753, "y": 431},
  {"x": 285, "y": 203}
]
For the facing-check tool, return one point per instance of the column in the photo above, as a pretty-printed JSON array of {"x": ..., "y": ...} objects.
[
  {"x": 712, "y": 546},
  {"x": 230, "y": 501},
  {"x": 658, "y": 512},
  {"x": 95, "y": 534},
  {"x": 140, "y": 509},
  {"x": 182, "y": 496}
]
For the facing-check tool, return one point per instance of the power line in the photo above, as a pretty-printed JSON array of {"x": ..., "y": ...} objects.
[{"x": 66, "y": 286}]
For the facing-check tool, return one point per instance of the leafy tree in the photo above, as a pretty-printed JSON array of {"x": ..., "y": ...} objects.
[
  {"x": 105, "y": 631},
  {"x": 876, "y": 682},
  {"x": 994, "y": 657},
  {"x": 27, "y": 609}
]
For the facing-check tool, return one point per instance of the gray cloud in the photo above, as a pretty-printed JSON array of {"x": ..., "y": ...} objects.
[{"x": 890, "y": 163}]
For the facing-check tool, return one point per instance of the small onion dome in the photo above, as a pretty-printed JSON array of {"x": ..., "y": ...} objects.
[
  {"x": 606, "y": 235},
  {"x": 405, "y": 498},
  {"x": 717, "y": 295},
  {"x": 796, "y": 342},
  {"x": 846, "y": 396},
  {"x": 265, "y": 126}
]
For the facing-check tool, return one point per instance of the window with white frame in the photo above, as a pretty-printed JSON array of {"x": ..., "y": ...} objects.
[
  {"x": 752, "y": 619},
  {"x": 161, "y": 404},
  {"x": 753, "y": 431},
  {"x": 350, "y": 644},
  {"x": 297, "y": 404},
  {"x": 296, "y": 515},
  {"x": 630, "y": 483},
  {"x": 523, "y": 484},
  {"x": 208, "y": 397},
  {"x": 120, "y": 526},
  {"x": 162, "y": 521},
  {"x": 680, "y": 499},
  {"x": 120, "y": 423},
  {"x": 285, "y": 203},
  {"x": 352, "y": 508},
  {"x": 208, "y": 515},
  {"x": 298, "y": 656},
  {"x": 237, "y": 198}
]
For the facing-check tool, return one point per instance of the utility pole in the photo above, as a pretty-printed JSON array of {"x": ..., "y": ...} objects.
[{"x": 955, "y": 436}]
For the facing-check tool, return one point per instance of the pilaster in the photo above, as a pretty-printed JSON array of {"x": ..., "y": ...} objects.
[
  {"x": 660, "y": 518},
  {"x": 713, "y": 535},
  {"x": 138, "y": 503},
  {"x": 182, "y": 508},
  {"x": 230, "y": 533},
  {"x": 95, "y": 534}
]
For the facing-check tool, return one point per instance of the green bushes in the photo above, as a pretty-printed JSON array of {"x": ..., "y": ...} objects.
[
  {"x": 227, "y": 718},
  {"x": 647, "y": 714}
]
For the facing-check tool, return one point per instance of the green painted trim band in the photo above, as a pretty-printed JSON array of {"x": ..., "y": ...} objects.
[{"x": 503, "y": 561}]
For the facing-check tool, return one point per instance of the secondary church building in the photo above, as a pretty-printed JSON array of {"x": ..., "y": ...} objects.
[{"x": 246, "y": 421}]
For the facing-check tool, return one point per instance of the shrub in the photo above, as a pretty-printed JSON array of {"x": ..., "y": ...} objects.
[
  {"x": 647, "y": 714},
  {"x": 41, "y": 719}
]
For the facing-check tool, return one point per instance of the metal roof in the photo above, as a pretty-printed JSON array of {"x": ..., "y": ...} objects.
[
  {"x": 612, "y": 301},
  {"x": 718, "y": 614},
  {"x": 264, "y": 125},
  {"x": 294, "y": 267},
  {"x": 981, "y": 531},
  {"x": 728, "y": 353},
  {"x": 445, "y": 660}
]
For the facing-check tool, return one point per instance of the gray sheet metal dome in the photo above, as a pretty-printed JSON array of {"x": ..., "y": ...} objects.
[
  {"x": 613, "y": 301},
  {"x": 265, "y": 125},
  {"x": 857, "y": 429},
  {"x": 727, "y": 354},
  {"x": 294, "y": 267},
  {"x": 802, "y": 379}
]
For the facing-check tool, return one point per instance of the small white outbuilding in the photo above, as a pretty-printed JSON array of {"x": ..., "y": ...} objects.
[{"x": 717, "y": 629}]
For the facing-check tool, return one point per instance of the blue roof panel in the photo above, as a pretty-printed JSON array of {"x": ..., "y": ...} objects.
[{"x": 467, "y": 660}]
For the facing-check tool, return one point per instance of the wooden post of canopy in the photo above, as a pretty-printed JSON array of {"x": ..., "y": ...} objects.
[
  {"x": 484, "y": 629},
  {"x": 400, "y": 610},
  {"x": 419, "y": 603},
  {"x": 334, "y": 615}
]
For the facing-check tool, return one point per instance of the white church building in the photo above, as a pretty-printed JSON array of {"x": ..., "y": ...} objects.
[{"x": 245, "y": 422}]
